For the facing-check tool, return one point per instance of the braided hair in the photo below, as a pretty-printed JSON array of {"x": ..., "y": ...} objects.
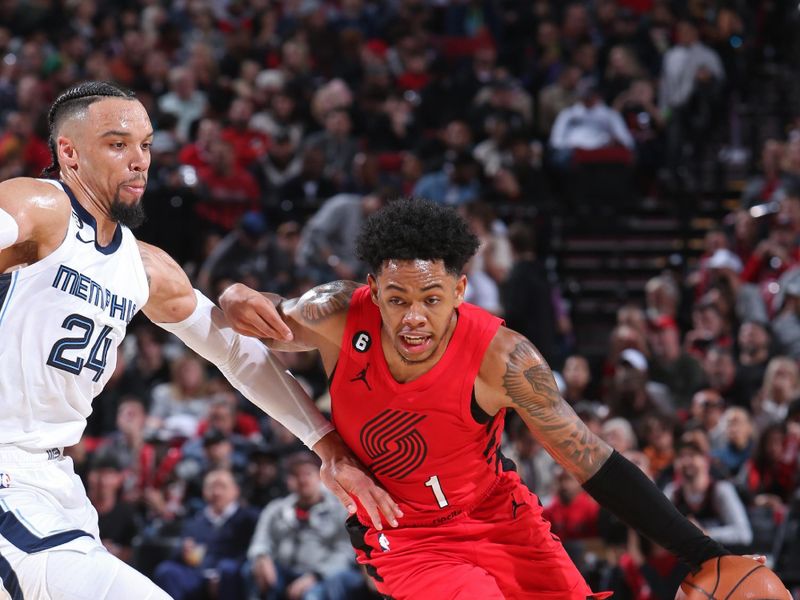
[{"x": 70, "y": 102}]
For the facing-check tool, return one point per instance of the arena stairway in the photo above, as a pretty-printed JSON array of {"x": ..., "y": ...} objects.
[{"x": 605, "y": 261}]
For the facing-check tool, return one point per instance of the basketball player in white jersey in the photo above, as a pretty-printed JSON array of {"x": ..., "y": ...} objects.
[{"x": 72, "y": 276}]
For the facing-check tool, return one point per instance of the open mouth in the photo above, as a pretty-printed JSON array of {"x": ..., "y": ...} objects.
[{"x": 414, "y": 343}]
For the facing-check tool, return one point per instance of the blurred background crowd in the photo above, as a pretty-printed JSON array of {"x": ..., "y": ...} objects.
[{"x": 631, "y": 167}]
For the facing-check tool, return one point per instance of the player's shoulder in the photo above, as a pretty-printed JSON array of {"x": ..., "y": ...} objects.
[
  {"x": 508, "y": 346},
  {"x": 325, "y": 301},
  {"x": 504, "y": 342},
  {"x": 40, "y": 207},
  {"x": 158, "y": 264},
  {"x": 36, "y": 194}
]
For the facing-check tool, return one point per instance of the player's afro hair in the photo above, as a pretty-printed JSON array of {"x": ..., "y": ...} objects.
[{"x": 414, "y": 228}]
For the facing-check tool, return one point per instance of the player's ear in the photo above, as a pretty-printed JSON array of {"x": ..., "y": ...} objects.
[
  {"x": 461, "y": 288},
  {"x": 373, "y": 288},
  {"x": 67, "y": 153}
]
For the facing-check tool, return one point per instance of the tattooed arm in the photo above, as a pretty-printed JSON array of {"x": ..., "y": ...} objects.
[
  {"x": 515, "y": 375},
  {"x": 316, "y": 319}
]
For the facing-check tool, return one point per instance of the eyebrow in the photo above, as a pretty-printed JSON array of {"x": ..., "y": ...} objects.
[
  {"x": 118, "y": 133},
  {"x": 394, "y": 286}
]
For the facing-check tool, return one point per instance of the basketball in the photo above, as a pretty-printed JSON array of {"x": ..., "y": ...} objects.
[{"x": 732, "y": 578}]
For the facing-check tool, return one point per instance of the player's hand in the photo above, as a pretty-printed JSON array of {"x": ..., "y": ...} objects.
[
  {"x": 345, "y": 476},
  {"x": 250, "y": 313}
]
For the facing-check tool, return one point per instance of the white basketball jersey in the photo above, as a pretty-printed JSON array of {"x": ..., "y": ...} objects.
[{"x": 61, "y": 320}]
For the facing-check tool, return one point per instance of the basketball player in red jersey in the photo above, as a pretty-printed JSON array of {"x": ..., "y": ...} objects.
[{"x": 420, "y": 382}]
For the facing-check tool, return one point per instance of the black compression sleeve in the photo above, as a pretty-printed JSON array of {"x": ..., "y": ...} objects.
[{"x": 623, "y": 489}]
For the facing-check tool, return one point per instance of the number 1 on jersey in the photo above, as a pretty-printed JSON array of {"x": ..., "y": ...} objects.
[{"x": 433, "y": 483}]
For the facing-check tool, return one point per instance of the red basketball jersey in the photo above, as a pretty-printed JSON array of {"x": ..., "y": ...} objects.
[{"x": 420, "y": 438}]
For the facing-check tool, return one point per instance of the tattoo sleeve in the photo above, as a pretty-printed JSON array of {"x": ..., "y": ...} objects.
[
  {"x": 325, "y": 300},
  {"x": 529, "y": 384}
]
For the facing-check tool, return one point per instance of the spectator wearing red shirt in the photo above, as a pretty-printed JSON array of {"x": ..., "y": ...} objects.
[
  {"x": 248, "y": 144},
  {"x": 572, "y": 512},
  {"x": 770, "y": 475},
  {"x": 224, "y": 415},
  {"x": 230, "y": 190},
  {"x": 197, "y": 154},
  {"x": 774, "y": 255},
  {"x": 22, "y": 151}
]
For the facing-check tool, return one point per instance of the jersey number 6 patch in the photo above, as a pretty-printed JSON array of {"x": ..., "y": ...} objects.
[{"x": 361, "y": 341}]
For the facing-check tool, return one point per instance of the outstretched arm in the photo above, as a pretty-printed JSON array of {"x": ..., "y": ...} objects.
[
  {"x": 316, "y": 319},
  {"x": 515, "y": 375},
  {"x": 259, "y": 375}
]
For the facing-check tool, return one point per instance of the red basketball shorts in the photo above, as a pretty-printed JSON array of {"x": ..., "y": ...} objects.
[{"x": 503, "y": 549}]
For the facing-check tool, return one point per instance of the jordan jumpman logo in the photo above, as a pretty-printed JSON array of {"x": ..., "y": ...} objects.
[
  {"x": 362, "y": 376},
  {"x": 514, "y": 507}
]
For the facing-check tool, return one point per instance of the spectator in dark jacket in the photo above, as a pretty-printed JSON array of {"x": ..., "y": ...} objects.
[{"x": 214, "y": 544}]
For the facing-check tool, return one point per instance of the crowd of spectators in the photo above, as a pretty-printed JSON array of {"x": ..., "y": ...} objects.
[{"x": 280, "y": 125}]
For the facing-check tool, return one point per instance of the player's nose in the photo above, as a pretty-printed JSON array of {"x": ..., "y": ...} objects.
[
  {"x": 414, "y": 317},
  {"x": 140, "y": 161}
]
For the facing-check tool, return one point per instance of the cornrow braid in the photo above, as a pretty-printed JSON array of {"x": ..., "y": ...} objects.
[{"x": 70, "y": 101}]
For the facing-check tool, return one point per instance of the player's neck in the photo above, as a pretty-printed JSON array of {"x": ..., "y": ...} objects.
[{"x": 94, "y": 205}]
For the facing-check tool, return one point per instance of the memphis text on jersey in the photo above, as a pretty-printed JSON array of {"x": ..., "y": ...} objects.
[{"x": 87, "y": 289}]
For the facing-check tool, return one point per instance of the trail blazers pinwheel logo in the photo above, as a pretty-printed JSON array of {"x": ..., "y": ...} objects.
[{"x": 393, "y": 443}]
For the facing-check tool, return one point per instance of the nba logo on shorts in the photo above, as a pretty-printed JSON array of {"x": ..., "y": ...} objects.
[
  {"x": 384, "y": 542},
  {"x": 5, "y": 480}
]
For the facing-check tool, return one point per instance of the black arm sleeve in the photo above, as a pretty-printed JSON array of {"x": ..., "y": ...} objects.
[{"x": 623, "y": 489}]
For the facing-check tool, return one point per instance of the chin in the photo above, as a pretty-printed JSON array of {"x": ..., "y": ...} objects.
[{"x": 416, "y": 358}]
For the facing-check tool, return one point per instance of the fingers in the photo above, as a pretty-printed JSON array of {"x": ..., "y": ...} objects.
[
  {"x": 256, "y": 325},
  {"x": 387, "y": 506},
  {"x": 371, "y": 507},
  {"x": 273, "y": 325},
  {"x": 279, "y": 325},
  {"x": 342, "y": 495},
  {"x": 380, "y": 506}
]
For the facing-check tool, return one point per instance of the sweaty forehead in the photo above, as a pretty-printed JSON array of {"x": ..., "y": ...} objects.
[
  {"x": 119, "y": 114},
  {"x": 414, "y": 274}
]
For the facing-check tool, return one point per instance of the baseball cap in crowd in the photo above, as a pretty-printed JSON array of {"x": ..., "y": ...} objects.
[
  {"x": 634, "y": 358},
  {"x": 177, "y": 426},
  {"x": 253, "y": 224},
  {"x": 725, "y": 259},
  {"x": 213, "y": 436},
  {"x": 377, "y": 47},
  {"x": 270, "y": 79},
  {"x": 105, "y": 459}
]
